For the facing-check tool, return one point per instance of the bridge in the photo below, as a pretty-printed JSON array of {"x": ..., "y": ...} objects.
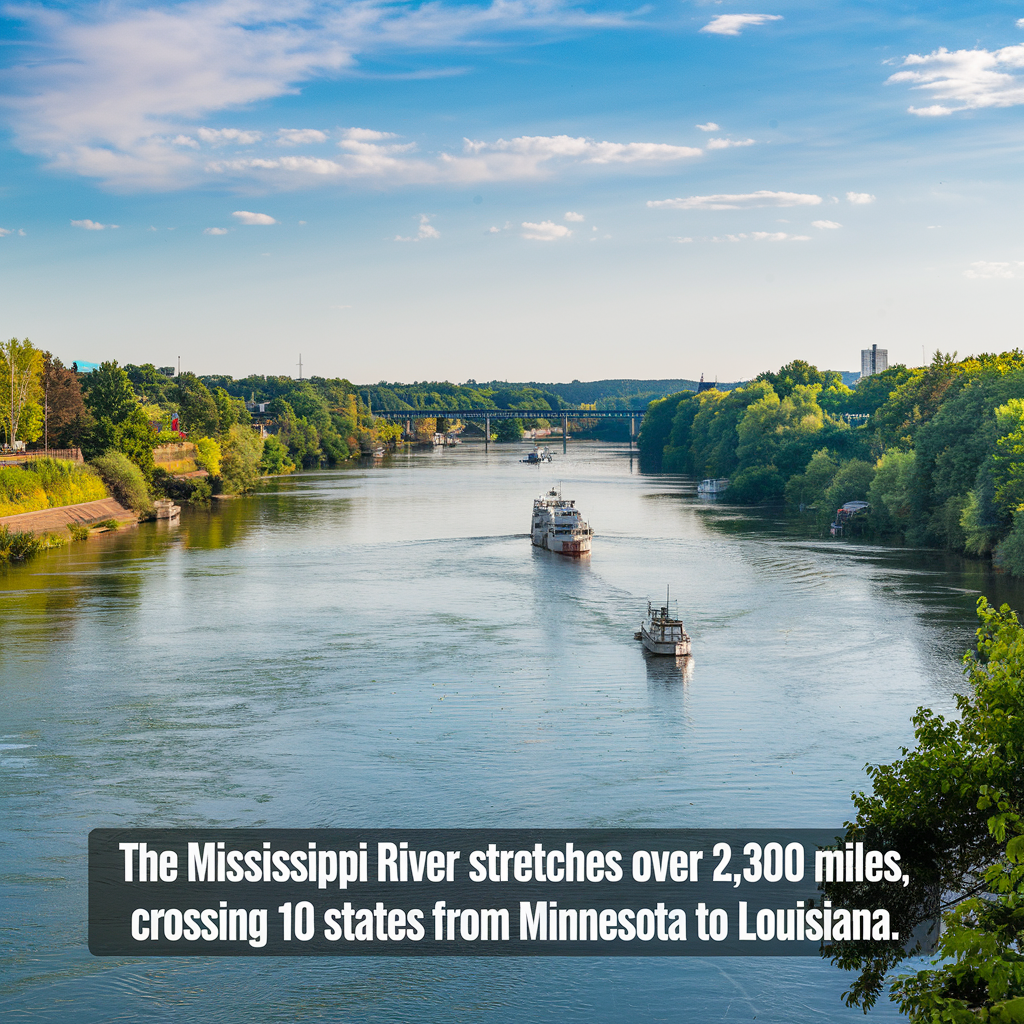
[{"x": 408, "y": 415}]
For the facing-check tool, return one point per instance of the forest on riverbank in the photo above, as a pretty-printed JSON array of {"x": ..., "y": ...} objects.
[{"x": 937, "y": 451}]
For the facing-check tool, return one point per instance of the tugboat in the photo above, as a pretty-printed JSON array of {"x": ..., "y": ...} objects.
[
  {"x": 661, "y": 634},
  {"x": 558, "y": 526},
  {"x": 537, "y": 456}
]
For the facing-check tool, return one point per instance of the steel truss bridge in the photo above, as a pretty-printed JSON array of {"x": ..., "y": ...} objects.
[{"x": 565, "y": 415}]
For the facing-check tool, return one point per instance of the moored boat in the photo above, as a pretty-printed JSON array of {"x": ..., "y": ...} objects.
[
  {"x": 661, "y": 634},
  {"x": 557, "y": 525},
  {"x": 712, "y": 488}
]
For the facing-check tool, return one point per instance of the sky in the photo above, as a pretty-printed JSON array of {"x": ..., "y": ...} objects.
[{"x": 521, "y": 189}]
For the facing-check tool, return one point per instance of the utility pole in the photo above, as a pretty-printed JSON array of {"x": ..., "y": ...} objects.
[
  {"x": 300, "y": 366},
  {"x": 179, "y": 366},
  {"x": 46, "y": 410}
]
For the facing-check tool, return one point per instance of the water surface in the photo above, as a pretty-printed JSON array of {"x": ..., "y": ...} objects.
[{"x": 381, "y": 646}]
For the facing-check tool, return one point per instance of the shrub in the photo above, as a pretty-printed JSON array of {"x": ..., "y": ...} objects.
[
  {"x": 21, "y": 491},
  {"x": 79, "y": 532},
  {"x": 68, "y": 483},
  {"x": 126, "y": 481},
  {"x": 508, "y": 430},
  {"x": 15, "y": 546}
]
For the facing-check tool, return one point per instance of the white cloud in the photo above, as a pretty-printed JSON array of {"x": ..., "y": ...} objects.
[
  {"x": 492, "y": 230},
  {"x": 299, "y": 136},
  {"x": 681, "y": 240},
  {"x": 426, "y": 230},
  {"x": 91, "y": 225},
  {"x": 5, "y": 231},
  {"x": 245, "y": 217},
  {"x": 860, "y": 198},
  {"x": 736, "y": 202},
  {"x": 734, "y": 24},
  {"x": 372, "y": 155},
  {"x": 984, "y": 269},
  {"x": 709, "y": 127},
  {"x": 545, "y": 231},
  {"x": 215, "y": 231},
  {"x": 102, "y": 89},
  {"x": 226, "y": 136},
  {"x": 777, "y": 236},
  {"x": 728, "y": 143},
  {"x": 825, "y": 225},
  {"x": 964, "y": 79},
  {"x": 578, "y": 217},
  {"x": 184, "y": 140}
]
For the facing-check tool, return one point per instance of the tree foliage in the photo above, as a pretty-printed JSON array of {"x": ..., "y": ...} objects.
[{"x": 952, "y": 806}]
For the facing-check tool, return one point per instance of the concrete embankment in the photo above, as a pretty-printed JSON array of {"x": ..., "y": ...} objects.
[{"x": 57, "y": 520}]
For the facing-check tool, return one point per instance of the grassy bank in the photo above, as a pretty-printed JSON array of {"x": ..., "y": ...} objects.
[{"x": 49, "y": 483}]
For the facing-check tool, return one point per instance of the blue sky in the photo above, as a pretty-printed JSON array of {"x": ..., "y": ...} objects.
[{"x": 526, "y": 189}]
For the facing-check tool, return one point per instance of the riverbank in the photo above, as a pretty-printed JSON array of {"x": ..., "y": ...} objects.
[{"x": 85, "y": 514}]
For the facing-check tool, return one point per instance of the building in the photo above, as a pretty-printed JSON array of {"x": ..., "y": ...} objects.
[{"x": 873, "y": 360}]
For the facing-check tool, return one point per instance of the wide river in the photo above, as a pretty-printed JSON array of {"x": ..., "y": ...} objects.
[{"x": 381, "y": 646}]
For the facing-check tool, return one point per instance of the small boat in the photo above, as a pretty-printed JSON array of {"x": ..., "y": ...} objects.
[
  {"x": 558, "y": 525},
  {"x": 537, "y": 456},
  {"x": 712, "y": 488},
  {"x": 661, "y": 634}
]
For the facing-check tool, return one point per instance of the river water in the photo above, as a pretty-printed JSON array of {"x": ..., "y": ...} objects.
[{"x": 381, "y": 646}]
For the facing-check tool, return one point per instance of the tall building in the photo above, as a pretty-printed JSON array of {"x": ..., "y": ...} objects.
[{"x": 873, "y": 360}]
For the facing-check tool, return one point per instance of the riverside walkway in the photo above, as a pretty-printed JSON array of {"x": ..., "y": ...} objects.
[{"x": 54, "y": 520}]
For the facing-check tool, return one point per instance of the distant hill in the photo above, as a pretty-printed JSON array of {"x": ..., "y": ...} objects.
[{"x": 578, "y": 393}]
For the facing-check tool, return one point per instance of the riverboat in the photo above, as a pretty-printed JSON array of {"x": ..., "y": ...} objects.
[
  {"x": 558, "y": 526},
  {"x": 537, "y": 456},
  {"x": 712, "y": 488},
  {"x": 661, "y": 634}
]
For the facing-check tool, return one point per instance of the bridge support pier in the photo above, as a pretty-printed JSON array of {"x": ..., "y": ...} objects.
[
  {"x": 565, "y": 431},
  {"x": 632, "y": 430},
  {"x": 487, "y": 432}
]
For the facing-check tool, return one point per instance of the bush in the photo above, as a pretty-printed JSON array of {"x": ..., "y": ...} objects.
[
  {"x": 126, "y": 481},
  {"x": 79, "y": 532},
  {"x": 68, "y": 483},
  {"x": 1009, "y": 553},
  {"x": 21, "y": 491},
  {"x": 48, "y": 484},
  {"x": 15, "y": 546}
]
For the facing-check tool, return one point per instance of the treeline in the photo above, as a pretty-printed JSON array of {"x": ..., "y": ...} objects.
[
  {"x": 938, "y": 451},
  {"x": 118, "y": 415}
]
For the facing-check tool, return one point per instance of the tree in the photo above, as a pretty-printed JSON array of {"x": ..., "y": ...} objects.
[
  {"x": 508, "y": 430},
  {"x": 197, "y": 411},
  {"x": 240, "y": 466},
  {"x": 109, "y": 393},
  {"x": 67, "y": 419},
  {"x": 20, "y": 370},
  {"x": 952, "y": 807}
]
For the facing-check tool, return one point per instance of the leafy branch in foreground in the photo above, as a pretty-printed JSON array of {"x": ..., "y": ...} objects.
[{"x": 953, "y": 808}]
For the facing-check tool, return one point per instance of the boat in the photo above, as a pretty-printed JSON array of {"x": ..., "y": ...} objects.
[
  {"x": 537, "y": 456},
  {"x": 558, "y": 525},
  {"x": 712, "y": 488},
  {"x": 661, "y": 634}
]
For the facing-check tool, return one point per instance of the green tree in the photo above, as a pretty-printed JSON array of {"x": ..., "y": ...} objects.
[
  {"x": 68, "y": 420},
  {"x": 655, "y": 430},
  {"x": 240, "y": 466},
  {"x": 508, "y": 430},
  {"x": 952, "y": 807},
  {"x": 109, "y": 394},
  {"x": 808, "y": 487},
  {"x": 20, "y": 370},
  {"x": 891, "y": 491}
]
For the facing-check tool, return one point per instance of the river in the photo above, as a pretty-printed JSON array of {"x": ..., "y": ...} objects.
[{"x": 381, "y": 646}]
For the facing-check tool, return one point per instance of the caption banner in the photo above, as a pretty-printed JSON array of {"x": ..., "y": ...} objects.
[{"x": 491, "y": 892}]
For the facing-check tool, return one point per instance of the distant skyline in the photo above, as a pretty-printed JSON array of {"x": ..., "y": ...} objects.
[{"x": 522, "y": 190}]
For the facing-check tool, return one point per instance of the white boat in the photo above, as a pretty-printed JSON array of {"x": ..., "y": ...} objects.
[
  {"x": 712, "y": 488},
  {"x": 558, "y": 526},
  {"x": 661, "y": 634}
]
